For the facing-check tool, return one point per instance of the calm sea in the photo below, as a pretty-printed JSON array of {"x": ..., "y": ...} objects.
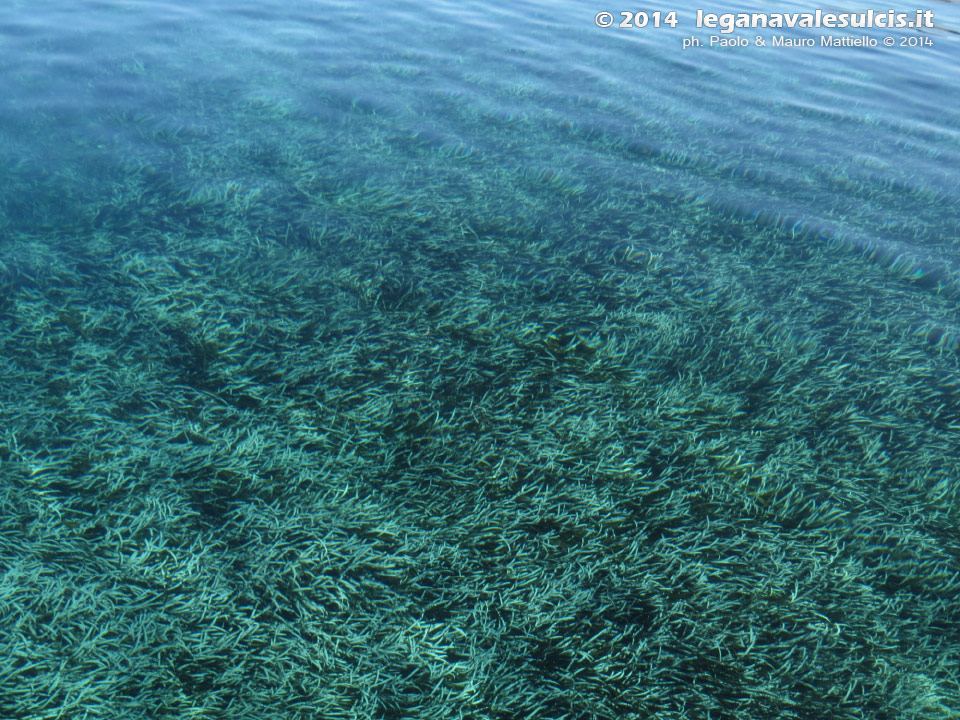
[
  {"x": 468, "y": 359},
  {"x": 858, "y": 141}
]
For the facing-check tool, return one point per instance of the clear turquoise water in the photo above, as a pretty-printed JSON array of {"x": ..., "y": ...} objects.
[
  {"x": 467, "y": 360},
  {"x": 859, "y": 145}
]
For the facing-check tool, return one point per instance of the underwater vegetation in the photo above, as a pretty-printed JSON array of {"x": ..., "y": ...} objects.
[{"x": 388, "y": 418}]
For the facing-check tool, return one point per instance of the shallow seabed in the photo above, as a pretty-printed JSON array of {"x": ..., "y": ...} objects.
[{"x": 445, "y": 366}]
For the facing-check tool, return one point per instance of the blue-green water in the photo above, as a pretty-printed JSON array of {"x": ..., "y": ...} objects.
[
  {"x": 858, "y": 145},
  {"x": 469, "y": 360}
]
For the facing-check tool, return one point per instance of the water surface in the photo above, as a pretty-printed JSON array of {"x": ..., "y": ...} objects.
[{"x": 465, "y": 359}]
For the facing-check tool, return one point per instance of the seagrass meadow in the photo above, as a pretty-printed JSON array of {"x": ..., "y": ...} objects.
[{"x": 438, "y": 392}]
